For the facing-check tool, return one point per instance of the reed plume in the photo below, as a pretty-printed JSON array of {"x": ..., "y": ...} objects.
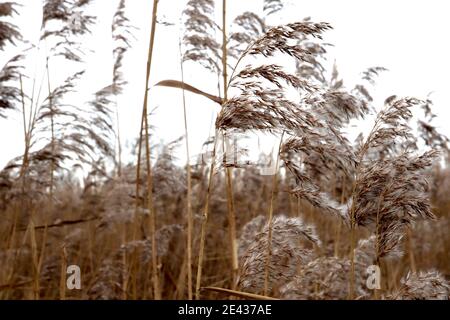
[
  {"x": 199, "y": 38},
  {"x": 272, "y": 6},
  {"x": 424, "y": 285},
  {"x": 121, "y": 31},
  {"x": 10, "y": 95},
  {"x": 9, "y": 33},
  {"x": 291, "y": 249}
]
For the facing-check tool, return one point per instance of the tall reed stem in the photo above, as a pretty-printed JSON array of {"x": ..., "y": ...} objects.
[
  {"x": 24, "y": 166},
  {"x": 205, "y": 221},
  {"x": 119, "y": 140},
  {"x": 229, "y": 175},
  {"x": 230, "y": 202},
  {"x": 270, "y": 220},
  {"x": 62, "y": 278},
  {"x": 145, "y": 124},
  {"x": 412, "y": 260},
  {"x": 190, "y": 218},
  {"x": 52, "y": 163},
  {"x": 138, "y": 176}
]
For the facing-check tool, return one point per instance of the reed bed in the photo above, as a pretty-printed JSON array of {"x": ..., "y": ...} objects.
[{"x": 330, "y": 210}]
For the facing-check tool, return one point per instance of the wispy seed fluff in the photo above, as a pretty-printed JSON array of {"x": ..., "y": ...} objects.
[
  {"x": 292, "y": 246},
  {"x": 424, "y": 285}
]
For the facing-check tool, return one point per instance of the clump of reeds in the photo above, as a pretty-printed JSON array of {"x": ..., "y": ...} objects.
[
  {"x": 429, "y": 285},
  {"x": 325, "y": 278},
  {"x": 249, "y": 232},
  {"x": 383, "y": 194},
  {"x": 113, "y": 273},
  {"x": 377, "y": 186},
  {"x": 73, "y": 22},
  {"x": 288, "y": 253}
]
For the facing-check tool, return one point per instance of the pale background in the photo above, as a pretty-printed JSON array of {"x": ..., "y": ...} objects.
[{"x": 408, "y": 37}]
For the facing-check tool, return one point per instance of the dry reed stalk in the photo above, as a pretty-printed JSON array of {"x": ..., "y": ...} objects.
[
  {"x": 125, "y": 264},
  {"x": 62, "y": 277},
  {"x": 205, "y": 221},
  {"x": 230, "y": 201},
  {"x": 190, "y": 218},
  {"x": 229, "y": 179},
  {"x": 43, "y": 246},
  {"x": 35, "y": 257},
  {"x": 52, "y": 166},
  {"x": 25, "y": 136},
  {"x": 180, "y": 284},
  {"x": 121, "y": 33},
  {"x": 258, "y": 108},
  {"x": 155, "y": 277},
  {"x": 52, "y": 128},
  {"x": 15, "y": 260},
  {"x": 137, "y": 183},
  {"x": 410, "y": 249},
  {"x": 232, "y": 228},
  {"x": 231, "y": 220},
  {"x": 339, "y": 223},
  {"x": 270, "y": 219},
  {"x": 239, "y": 294}
]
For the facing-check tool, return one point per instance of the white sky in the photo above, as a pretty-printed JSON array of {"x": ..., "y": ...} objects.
[{"x": 405, "y": 36}]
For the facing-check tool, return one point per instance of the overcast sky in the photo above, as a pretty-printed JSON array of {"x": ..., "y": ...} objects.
[{"x": 408, "y": 37}]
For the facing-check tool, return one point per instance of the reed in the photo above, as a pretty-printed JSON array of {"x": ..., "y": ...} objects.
[{"x": 136, "y": 228}]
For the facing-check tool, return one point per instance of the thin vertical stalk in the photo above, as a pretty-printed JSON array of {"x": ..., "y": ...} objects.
[
  {"x": 229, "y": 176},
  {"x": 25, "y": 134},
  {"x": 52, "y": 123},
  {"x": 205, "y": 221},
  {"x": 34, "y": 256},
  {"x": 339, "y": 223},
  {"x": 270, "y": 220},
  {"x": 155, "y": 280},
  {"x": 231, "y": 215},
  {"x": 138, "y": 176},
  {"x": 377, "y": 239},
  {"x": 412, "y": 260},
  {"x": 119, "y": 141},
  {"x": 190, "y": 218},
  {"x": 124, "y": 264},
  {"x": 352, "y": 257},
  {"x": 62, "y": 279},
  {"x": 224, "y": 50},
  {"x": 136, "y": 223},
  {"x": 231, "y": 212}
]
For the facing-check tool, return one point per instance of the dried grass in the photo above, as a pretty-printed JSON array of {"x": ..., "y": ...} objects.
[{"x": 335, "y": 206}]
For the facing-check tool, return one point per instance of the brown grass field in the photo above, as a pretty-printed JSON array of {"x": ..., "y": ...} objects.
[{"x": 149, "y": 228}]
